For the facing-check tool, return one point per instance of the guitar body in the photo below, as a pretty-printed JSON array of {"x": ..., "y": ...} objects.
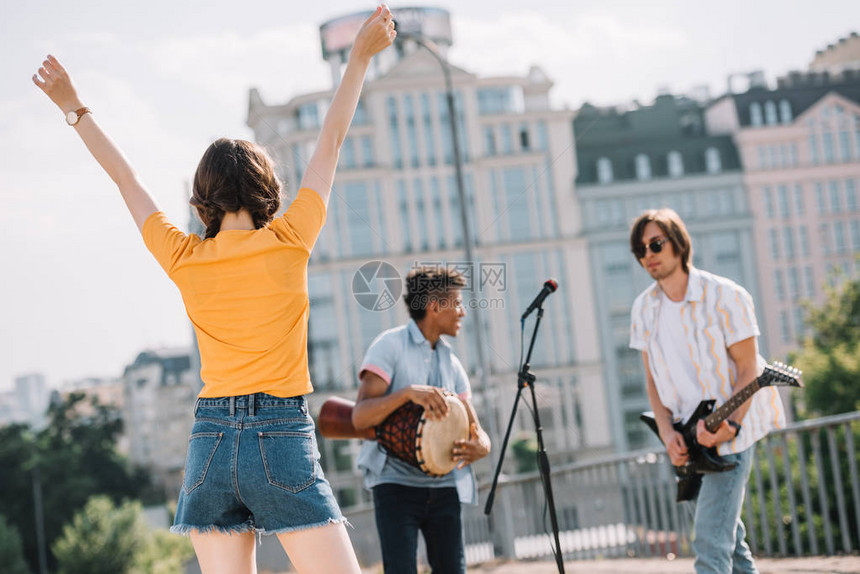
[{"x": 703, "y": 460}]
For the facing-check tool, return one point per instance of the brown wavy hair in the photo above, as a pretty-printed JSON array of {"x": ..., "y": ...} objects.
[
  {"x": 231, "y": 175},
  {"x": 672, "y": 226}
]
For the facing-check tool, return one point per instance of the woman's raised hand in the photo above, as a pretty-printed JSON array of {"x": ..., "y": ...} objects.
[
  {"x": 376, "y": 34},
  {"x": 57, "y": 85}
]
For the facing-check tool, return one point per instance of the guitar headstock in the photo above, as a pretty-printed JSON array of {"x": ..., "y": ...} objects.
[{"x": 780, "y": 374}]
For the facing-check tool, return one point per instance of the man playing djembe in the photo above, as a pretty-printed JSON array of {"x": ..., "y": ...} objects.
[{"x": 414, "y": 363}]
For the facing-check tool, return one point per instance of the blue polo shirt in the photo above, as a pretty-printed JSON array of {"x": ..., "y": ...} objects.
[{"x": 402, "y": 357}]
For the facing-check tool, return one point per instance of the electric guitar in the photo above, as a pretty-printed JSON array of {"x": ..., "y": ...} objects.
[{"x": 703, "y": 460}]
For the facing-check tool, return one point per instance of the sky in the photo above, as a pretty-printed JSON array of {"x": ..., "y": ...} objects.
[{"x": 79, "y": 294}]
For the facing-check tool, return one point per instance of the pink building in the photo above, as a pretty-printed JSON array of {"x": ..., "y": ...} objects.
[{"x": 799, "y": 146}]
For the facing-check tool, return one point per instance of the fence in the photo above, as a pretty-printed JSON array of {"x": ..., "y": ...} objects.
[{"x": 803, "y": 498}]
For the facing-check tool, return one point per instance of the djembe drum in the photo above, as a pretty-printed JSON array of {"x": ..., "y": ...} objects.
[{"x": 406, "y": 434}]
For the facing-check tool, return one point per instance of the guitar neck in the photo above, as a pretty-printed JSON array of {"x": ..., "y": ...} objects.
[{"x": 713, "y": 420}]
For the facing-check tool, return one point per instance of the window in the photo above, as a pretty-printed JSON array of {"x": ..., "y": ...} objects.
[
  {"x": 405, "y": 221},
  {"x": 713, "y": 162},
  {"x": 782, "y": 194},
  {"x": 427, "y": 120},
  {"x": 755, "y": 114},
  {"x": 770, "y": 113},
  {"x": 779, "y": 285},
  {"x": 809, "y": 278},
  {"x": 367, "y": 151},
  {"x": 394, "y": 133},
  {"x": 774, "y": 244},
  {"x": 525, "y": 144},
  {"x": 835, "y": 204},
  {"x": 844, "y": 146},
  {"x": 411, "y": 131},
  {"x": 839, "y": 237},
  {"x": 507, "y": 140},
  {"x": 793, "y": 283},
  {"x": 768, "y": 202},
  {"x": 785, "y": 111},
  {"x": 308, "y": 116},
  {"x": 804, "y": 240},
  {"x": 604, "y": 170},
  {"x": 788, "y": 240},
  {"x": 819, "y": 198},
  {"x": 762, "y": 157},
  {"x": 499, "y": 100},
  {"x": 824, "y": 235},
  {"x": 643, "y": 167},
  {"x": 676, "y": 164},
  {"x": 813, "y": 149},
  {"x": 489, "y": 141},
  {"x": 855, "y": 236},
  {"x": 850, "y": 195},
  {"x": 799, "y": 322},
  {"x": 827, "y": 145},
  {"x": 798, "y": 198},
  {"x": 784, "y": 326}
]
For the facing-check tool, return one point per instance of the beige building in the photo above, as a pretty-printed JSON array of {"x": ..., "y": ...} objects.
[
  {"x": 800, "y": 149},
  {"x": 395, "y": 200},
  {"x": 159, "y": 387}
]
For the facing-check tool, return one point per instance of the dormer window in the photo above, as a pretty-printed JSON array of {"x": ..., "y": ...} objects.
[
  {"x": 755, "y": 114},
  {"x": 643, "y": 167},
  {"x": 713, "y": 161},
  {"x": 676, "y": 164},
  {"x": 604, "y": 170}
]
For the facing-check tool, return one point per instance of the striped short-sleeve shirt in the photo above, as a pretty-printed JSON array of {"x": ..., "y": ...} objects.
[{"x": 716, "y": 313}]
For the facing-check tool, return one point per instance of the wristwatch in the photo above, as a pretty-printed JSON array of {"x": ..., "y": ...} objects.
[
  {"x": 72, "y": 118},
  {"x": 736, "y": 426}
]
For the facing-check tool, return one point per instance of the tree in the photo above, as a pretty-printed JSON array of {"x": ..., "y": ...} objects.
[
  {"x": 101, "y": 539},
  {"x": 830, "y": 357},
  {"x": 76, "y": 458},
  {"x": 11, "y": 549},
  {"x": 104, "y": 538}
]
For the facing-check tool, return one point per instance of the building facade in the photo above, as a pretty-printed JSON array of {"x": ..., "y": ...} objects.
[
  {"x": 158, "y": 388},
  {"x": 644, "y": 158},
  {"x": 396, "y": 200},
  {"x": 800, "y": 149}
]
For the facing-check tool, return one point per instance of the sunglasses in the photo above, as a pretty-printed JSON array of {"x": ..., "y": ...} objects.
[{"x": 655, "y": 246}]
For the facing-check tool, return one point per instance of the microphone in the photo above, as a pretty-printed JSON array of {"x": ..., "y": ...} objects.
[{"x": 548, "y": 288}]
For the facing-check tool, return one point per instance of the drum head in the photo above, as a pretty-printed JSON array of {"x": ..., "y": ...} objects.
[{"x": 438, "y": 436}]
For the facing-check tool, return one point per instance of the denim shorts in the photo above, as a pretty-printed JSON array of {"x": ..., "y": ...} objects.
[{"x": 253, "y": 466}]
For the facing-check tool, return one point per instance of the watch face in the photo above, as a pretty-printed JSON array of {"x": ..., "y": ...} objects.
[{"x": 71, "y": 118}]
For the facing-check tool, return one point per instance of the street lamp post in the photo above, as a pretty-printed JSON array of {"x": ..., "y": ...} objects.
[{"x": 506, "y": 539}]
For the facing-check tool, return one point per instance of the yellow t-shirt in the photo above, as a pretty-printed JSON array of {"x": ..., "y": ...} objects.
[{"x": 246, "y": 293}]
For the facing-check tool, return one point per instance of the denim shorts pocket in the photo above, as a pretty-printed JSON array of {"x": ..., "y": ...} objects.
[
  {"x": 201, "y": 450},
  {"x": 288, "y": 458}
]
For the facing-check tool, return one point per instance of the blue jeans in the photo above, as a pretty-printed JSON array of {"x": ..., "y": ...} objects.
[
  {"x": 401, "y": 511},
  {"x": 253, "y": 466},
  {"x": 719, "y": 531}
]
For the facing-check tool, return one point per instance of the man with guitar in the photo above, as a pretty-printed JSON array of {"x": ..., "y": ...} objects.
[
  {"x": 699, "y": 341},
  {"x": 414, "y": 363}
]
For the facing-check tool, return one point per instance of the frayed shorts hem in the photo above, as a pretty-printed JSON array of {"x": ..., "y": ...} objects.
[{"x": 186, "y": 529}]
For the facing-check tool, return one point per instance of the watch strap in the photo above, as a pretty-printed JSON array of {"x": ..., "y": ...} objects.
[
  {"x": 737, "y": 426},
  {"x": 80, "y": 113}
]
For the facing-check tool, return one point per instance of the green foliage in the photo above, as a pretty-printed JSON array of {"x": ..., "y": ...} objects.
[
  {"x": 811, "y": 472},
  {"x": 525, "y": 453},
  {"x": 76, "y": 458},
  {"x": 830, "y": 358},
  {"x": 101, "y": 539},
  {"x": 107, "y": 539},
  {"x": 11, "y": 550}
]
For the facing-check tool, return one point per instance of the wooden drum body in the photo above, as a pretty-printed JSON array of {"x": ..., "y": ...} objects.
[{"x": 406, "y": 434}]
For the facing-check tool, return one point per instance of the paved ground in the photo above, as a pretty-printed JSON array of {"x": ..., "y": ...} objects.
[{"x": 821, "y": 565}]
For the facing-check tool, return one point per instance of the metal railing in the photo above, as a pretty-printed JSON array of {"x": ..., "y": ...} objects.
[{"x": 803, "y": 498}]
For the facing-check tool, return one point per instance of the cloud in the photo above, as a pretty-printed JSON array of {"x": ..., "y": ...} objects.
[{"x": 581, "y": 52}]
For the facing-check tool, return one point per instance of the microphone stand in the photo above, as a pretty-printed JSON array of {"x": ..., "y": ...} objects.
[{"x": 525, "y": 378}]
